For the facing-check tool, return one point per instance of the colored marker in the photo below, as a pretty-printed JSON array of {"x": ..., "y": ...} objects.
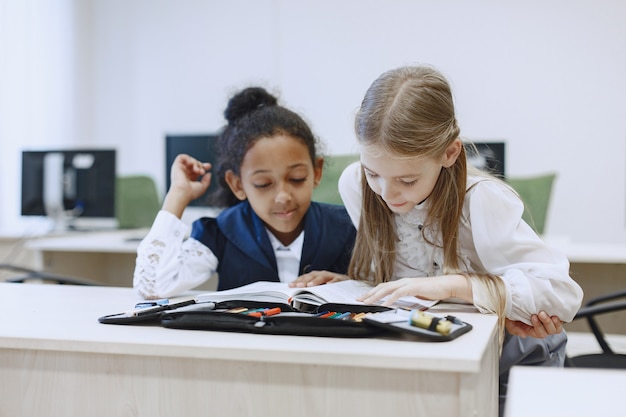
[
  {"x": 237, "y": 310},
  {"x": 266, "y": 312},
  {"x": 359, "y": 317},
  {"x": 254, "y": 310}
]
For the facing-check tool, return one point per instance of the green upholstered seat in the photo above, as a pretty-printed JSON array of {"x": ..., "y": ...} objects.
[
  {"x": 535, "y": 192},
  {"x": 326, "y": 191},
  {"x": 136, "y": 201}
]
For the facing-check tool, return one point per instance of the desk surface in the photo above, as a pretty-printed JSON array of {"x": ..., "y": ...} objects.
[
  {"x": 52, "y": 347},
  {"x": 64, "y": 318},
  {"x": 118, "y": 241}
]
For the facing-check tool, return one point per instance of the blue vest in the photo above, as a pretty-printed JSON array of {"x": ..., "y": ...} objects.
[{"x": 238, "y": 238}]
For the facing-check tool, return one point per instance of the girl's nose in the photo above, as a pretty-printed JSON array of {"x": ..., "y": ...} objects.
[
  {"x": 283, "y": 195},
  {"x": 386, "y": 190}
]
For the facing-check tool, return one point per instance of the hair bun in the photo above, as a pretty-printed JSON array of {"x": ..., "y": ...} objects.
[{"x": 247, "y": 101}]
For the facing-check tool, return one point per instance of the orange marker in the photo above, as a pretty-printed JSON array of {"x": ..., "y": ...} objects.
[{"x": 266, "y": 312}]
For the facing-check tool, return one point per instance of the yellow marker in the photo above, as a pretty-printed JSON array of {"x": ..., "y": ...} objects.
[
  {"x": 358, "y": 317},
  {"x": 237, "y": 310},
  {"x": 426, "y": 321}
]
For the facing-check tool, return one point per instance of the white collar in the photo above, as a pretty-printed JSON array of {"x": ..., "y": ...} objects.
[{"x": 295, "y": 246}]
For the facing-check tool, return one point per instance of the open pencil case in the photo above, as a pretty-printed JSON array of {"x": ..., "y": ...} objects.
[{"x": 330, "y": 320}]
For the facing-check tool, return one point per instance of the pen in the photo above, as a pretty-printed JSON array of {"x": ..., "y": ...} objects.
[
  {"x": 146, "y": 304},
  {"x": 161, "y": 307},
  {"x": 342, "y": 316}
]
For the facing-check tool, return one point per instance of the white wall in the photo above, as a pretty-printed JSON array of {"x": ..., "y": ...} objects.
[{"x": 547, "y": 77}]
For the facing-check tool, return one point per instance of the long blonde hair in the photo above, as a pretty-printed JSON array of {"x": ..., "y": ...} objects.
[{"x": 409, "y": 112}]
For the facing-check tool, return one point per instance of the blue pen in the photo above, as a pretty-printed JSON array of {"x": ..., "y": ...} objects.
[
  {"x": 342, "y": 316},
  {"x": 146, "y": 304},
  {"x": 254, "y": 310}
]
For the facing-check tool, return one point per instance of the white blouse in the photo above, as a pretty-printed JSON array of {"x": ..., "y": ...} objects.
[
  {"x": 492, "y": 238},
  {"x": 168, "y": 263}
]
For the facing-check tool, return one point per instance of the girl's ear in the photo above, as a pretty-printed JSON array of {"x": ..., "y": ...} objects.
[
  {"x": 452, "y": 153},
  {"x": 234, "y": 182},
  {"x": 318, "y": 168}
]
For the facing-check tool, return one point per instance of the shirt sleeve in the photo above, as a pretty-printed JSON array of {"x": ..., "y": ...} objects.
[
  {"x": 168, "y": 263},
  {"x": 536, "y": 275},
  {"x": 349, "y": 186}
]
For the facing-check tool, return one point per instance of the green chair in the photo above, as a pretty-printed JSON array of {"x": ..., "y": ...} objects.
[
  {"x": 535, "y": 192},
  {"x": 326, "y": 191},
  {"x": 136, "y": 201}
]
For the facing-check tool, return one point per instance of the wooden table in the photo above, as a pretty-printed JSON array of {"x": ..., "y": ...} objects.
[{"x": 56, "y": 359}]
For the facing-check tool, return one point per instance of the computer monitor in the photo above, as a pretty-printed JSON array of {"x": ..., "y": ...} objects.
[
  {"x": 488, "y": 156},
  {"x": 202, "y": 147},
  {"x": 69, "y": 184}
]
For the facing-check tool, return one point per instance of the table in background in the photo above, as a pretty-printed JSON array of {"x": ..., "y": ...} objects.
[
  {"x": 599, "y": 268},
  {"x": 539, "y": 391},
  {"x": 107, "y": 257},
  {"x": 53, "y": 351}
]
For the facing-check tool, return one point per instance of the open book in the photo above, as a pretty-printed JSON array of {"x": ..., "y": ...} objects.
[{"x": 342, "y": 292}]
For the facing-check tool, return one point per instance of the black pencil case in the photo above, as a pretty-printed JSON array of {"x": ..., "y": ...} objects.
[
  {"x": 223, "y": 316},
  {"x": 319, "y": 322}
]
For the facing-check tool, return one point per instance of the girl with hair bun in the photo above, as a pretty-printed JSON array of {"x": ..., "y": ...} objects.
[{"x": 269, "y": 230}]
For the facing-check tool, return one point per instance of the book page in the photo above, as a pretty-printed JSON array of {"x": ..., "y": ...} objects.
[
  {"x": 256, "y": 291},
  {"x": 342, "y": 292},
  {"x": 346, "y": 292}
]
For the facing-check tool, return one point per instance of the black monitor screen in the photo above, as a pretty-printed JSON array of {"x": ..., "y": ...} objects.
[
  {"x": 202, "y": 147},
  {"x": 489, "y": 156},
  {"x": 80, "y": 182}
]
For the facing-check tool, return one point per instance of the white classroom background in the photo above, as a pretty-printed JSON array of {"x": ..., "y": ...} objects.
[{"x": 547, "y": 77}]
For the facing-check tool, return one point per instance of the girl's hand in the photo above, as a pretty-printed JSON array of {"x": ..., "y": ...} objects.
[
  {"x": 429, "y": 288},
  {"x": 543, "y": 325},
  {"x": 314, "y": 278},
  {"x": 185, "y": 186}
]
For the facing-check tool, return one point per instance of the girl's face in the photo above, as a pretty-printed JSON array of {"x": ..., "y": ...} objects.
[
  {"x": 404, "y": 183},
  {"x": 278, "y": 178}
]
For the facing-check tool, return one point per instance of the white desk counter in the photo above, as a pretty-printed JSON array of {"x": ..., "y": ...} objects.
[
  {"x": 106, "y": 257},
  {"x": 114, "y": 241},
  {"x": 590, "y": 253},
  {"x": 52, "y": 348},
  {"x": 573, "y": 392}
]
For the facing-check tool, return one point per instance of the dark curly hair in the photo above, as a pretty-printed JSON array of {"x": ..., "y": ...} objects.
[{"x": 253, "y": 114}]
